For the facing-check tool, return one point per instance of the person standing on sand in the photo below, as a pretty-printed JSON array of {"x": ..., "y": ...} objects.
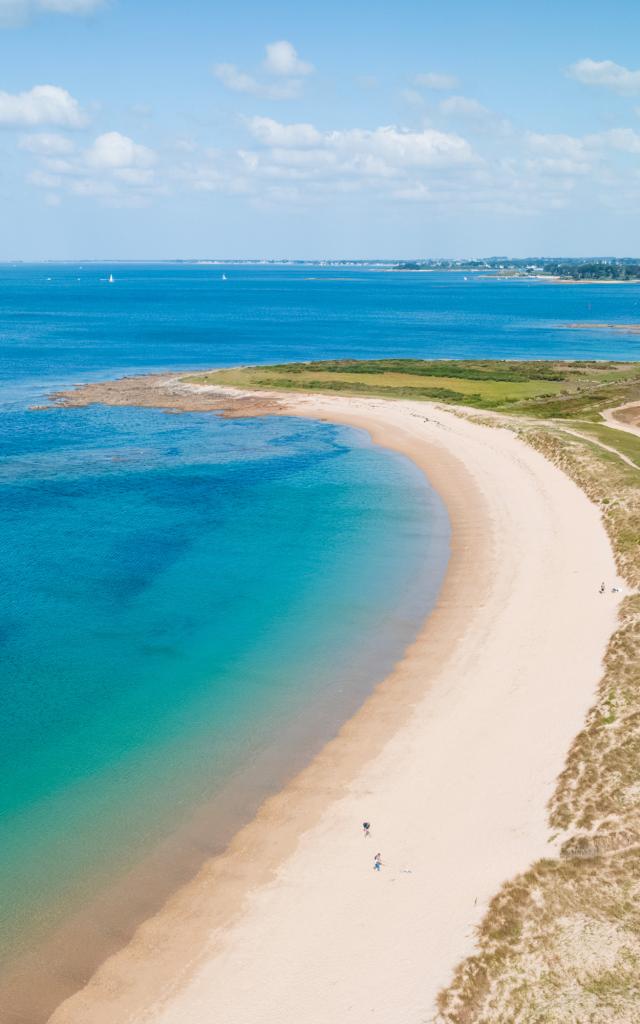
[
  {"x": 366, "y": 825},
  {"x": 377, "y": 862}
]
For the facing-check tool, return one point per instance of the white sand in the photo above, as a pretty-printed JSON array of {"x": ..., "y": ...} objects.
[{"x": 452, "y": 760}]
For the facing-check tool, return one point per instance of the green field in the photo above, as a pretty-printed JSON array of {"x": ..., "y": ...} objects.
[{"x": 542, "y": 389}]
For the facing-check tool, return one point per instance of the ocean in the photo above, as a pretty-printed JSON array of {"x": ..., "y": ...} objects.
[{"x": 191, "y": 606}]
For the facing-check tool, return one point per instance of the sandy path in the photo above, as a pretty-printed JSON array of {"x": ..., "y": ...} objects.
[
  {"x": 600, "y": 444},
  {"x": 452, "y": 760},
  {"x": 609, "y": 416}
]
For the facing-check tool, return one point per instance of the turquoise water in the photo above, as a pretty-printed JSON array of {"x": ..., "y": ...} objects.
[
  {"x": 184, "y": 597},
  {"x": 190, "y": 606}
]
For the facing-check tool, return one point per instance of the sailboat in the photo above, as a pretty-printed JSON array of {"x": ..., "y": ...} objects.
[
  {"x": 224, "y": 277},
  {"x": 111, "y": 279}
]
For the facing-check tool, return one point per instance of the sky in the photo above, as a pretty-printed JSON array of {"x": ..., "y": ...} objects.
[{"x": 156, "y": 129}]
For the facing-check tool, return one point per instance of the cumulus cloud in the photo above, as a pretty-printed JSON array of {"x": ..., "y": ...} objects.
[
  {"x": 300, "y": 164},
  {"x": 402, "y": 147},
  {"x": 113, "y": 150},
  {"x": 282, "y": 59},
  {"x": 436, "y": 80},
  {"x": 113, "y": 169},
  {"x": 16, "y": 12},
  {"x": 281, "y": 63},
  {"x": 273, "y": 133},
  {"x": 44, "y": 104},
  {"x": 605, "y": 73},
  {"x": 375, "y": 150},
  {"x": 239, "y": 81}
]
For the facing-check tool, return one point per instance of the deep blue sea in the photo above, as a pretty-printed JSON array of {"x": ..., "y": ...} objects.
[{"x": 190, "y": 606}]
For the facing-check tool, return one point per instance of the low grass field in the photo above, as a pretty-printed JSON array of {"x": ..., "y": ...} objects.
[{"x": 541, "y": 388}]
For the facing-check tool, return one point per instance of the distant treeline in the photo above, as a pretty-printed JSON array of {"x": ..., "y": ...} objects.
[
  {"x": 596, "y": 270},
  {"x": 604, "y": 269}
]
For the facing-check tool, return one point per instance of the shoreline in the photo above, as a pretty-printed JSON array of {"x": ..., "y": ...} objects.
[
  {"x": 227, "y": 931},
  {"x": 51, "y": 967}
]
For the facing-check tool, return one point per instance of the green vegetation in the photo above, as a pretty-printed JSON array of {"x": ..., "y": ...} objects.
[
  {"x": 623, "y": 442},
  {"x": 596, "y": 270},
  {"x": 539, "y": 388}
]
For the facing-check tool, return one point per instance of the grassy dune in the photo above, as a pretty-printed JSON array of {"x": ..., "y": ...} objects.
[
  {"x": 561, "y": 943},
  {"x": 542, "y": 389}
]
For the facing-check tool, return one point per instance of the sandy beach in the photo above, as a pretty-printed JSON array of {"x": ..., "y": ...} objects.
[{"x": 452, "y": 760}]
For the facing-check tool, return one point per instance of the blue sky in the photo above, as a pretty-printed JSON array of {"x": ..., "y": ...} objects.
[{"x": 132, "y": 129}]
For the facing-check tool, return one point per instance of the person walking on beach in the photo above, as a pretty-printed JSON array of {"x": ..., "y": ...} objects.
[
  {"x": 366, "y": 825},
  {"x": 377, "y": 862}
]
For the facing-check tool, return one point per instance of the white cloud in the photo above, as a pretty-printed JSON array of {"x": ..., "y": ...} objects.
[
  {"x": 44, "y": 104},
  {"x": 16, "y": 12},
  {"x": 623, "y": 140},
  {"x": 281, "y": 62},
  {"x": 113, "y": 169},
  {"x": 46, "y": 143},
  {"x": 606, "y": 73},
  {"x": 113, "y": 150},
  {"x": 400, "y": 147},
  {"x": 298, "y": 163},
  {"x": 282, "y": 59},
  {"x": 235, "y": 80},
  {"x": 435, "y": 80},
  {"x": 273, "y": 133},
  {"x": 375, "y": 151},
  {"x": 239, "y": 81}
]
